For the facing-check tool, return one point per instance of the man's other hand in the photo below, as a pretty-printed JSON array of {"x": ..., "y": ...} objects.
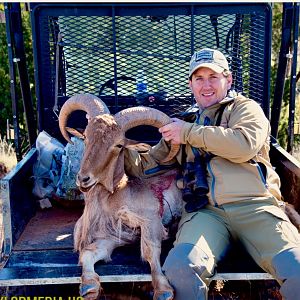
[{"x": 171, "y": 131}]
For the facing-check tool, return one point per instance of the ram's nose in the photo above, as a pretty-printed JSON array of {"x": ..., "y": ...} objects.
[{"x": 83, "y": 180}]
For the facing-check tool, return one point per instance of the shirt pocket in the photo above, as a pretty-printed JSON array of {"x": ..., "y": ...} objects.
[{"x": 236, "y": 181}]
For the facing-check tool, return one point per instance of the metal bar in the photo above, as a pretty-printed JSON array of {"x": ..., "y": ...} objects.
[
  {"x": 293, "y": 79},
  {"x": 287, "y": 19},
  {"x": 12, "y": 74},
  {"x": 35, "y": 45},
  {"x": 237, "y": 67},
  {"x": 192, "y": 30},
  {"x": 127, "y": 278},
  {"x": 267, "y": 62},
  {"x": 175, "y": 34},
  {"x": 115, "y": 57},
  {"x": 74, "y": 280},
  {"x": 6, "y": 221},
  {"x": 242, "y": 276},
  {"x": 214, "y": 23},
  {"x": 143, "y": 9},
  {"x": 20, "y": 59}
]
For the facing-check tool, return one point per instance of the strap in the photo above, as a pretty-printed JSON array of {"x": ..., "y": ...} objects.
[
  {"x": 189, "y": 116},
  {"x": 220, "y": 112}
]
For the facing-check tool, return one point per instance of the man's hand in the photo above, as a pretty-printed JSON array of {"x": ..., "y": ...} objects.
[{"x": 171, "y": 132}]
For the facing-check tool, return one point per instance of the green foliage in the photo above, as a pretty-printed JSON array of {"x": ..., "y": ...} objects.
[
  {"x": 5, "y": 102},
  {"x": 5, "y": 96},
  {"x": 276, "y": 40}
]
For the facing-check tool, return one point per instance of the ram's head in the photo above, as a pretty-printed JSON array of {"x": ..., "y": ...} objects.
[{"x": 104, "y": 137}]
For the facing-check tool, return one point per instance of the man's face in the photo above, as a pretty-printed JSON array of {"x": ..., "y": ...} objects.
[{"x": 209, "y": 87}]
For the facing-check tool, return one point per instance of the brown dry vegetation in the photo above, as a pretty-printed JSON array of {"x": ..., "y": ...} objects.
[{"x": 8, "y": 157}]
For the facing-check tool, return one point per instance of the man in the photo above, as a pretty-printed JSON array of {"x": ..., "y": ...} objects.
[{"x": 231, "y": 133}]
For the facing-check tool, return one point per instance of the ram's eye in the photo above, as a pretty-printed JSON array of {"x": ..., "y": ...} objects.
[{"x": 119, "y": 146}]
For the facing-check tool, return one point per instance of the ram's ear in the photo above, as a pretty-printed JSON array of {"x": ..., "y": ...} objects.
[
  {"x": 136, "y": 145},
  {"x": 78, "y": 132}
]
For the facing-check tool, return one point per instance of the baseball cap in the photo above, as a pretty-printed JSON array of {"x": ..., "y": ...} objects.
[{"x": 209, "y": 58}]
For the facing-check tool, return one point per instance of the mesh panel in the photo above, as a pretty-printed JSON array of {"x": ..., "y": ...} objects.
[
  {"x": 143, "y": 60},
  {"x": 143, "y": 49}
]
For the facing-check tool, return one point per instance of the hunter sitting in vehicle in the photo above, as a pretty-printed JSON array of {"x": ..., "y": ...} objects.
[{"x": 228, "y": 135}]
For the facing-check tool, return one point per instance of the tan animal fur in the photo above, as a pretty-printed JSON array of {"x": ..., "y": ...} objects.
[{"x": 118, "y": 210}]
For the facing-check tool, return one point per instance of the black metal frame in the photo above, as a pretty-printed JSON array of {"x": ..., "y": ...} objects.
[
  {"x": 43, "y": 10},
  {"x": 295, "y": 39},
  {"x": 17, "y": 57}
]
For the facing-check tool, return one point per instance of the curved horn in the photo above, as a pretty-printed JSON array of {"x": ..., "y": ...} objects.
[
  {"x": 135, "y": 116},
  {"x": 91, "y": 104}
]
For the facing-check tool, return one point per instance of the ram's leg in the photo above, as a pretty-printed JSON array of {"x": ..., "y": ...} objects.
[
  {"x": 151, "y": 236},
  {"x": 90, "y": 281}
]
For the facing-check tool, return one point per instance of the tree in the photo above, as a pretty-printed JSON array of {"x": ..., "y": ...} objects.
[
  {"x": 5, "y": 97},
  {"x": 276, "y": 40}
]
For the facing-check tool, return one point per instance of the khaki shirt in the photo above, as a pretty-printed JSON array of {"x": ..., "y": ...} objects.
[{"x": 240, "y": 167}]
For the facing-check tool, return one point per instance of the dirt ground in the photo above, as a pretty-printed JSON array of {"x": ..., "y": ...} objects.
[{"x": 233, "y": 290}]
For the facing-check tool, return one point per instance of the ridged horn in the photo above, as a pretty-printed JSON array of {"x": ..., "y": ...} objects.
[
  {"x": 91, "y": 104},
  {"x": 139, "y": 115}
]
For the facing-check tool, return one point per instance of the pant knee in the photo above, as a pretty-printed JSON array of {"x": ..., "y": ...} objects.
[
  {"x": 287, "y": 263},
  {"x": 177, "y": 263},
  {"x": 290, "y": 289},
  {"x": 184, "y": 270},
  {"x": 287, "y": 268}
]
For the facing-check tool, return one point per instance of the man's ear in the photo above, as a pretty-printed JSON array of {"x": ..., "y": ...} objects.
[
  {"x": 136, "y": 145},
  {"x": 78, "y": 132},
  {"x": 229, "y": 81},
  {"x": 190, "y": 85}
]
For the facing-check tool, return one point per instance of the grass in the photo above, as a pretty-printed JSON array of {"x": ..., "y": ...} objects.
[
  {"x": 7, "y": 154},
  {"x": 296, "y": 152}
]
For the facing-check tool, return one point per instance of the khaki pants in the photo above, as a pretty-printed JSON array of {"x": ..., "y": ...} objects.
[{"x": 260, "y": 225}]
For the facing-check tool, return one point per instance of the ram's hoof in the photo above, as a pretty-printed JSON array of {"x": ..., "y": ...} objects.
[
  {"x": 168, "y": 295},
  {"x": 89, "y": 291},
  {"x": 90, "y": 287}
]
